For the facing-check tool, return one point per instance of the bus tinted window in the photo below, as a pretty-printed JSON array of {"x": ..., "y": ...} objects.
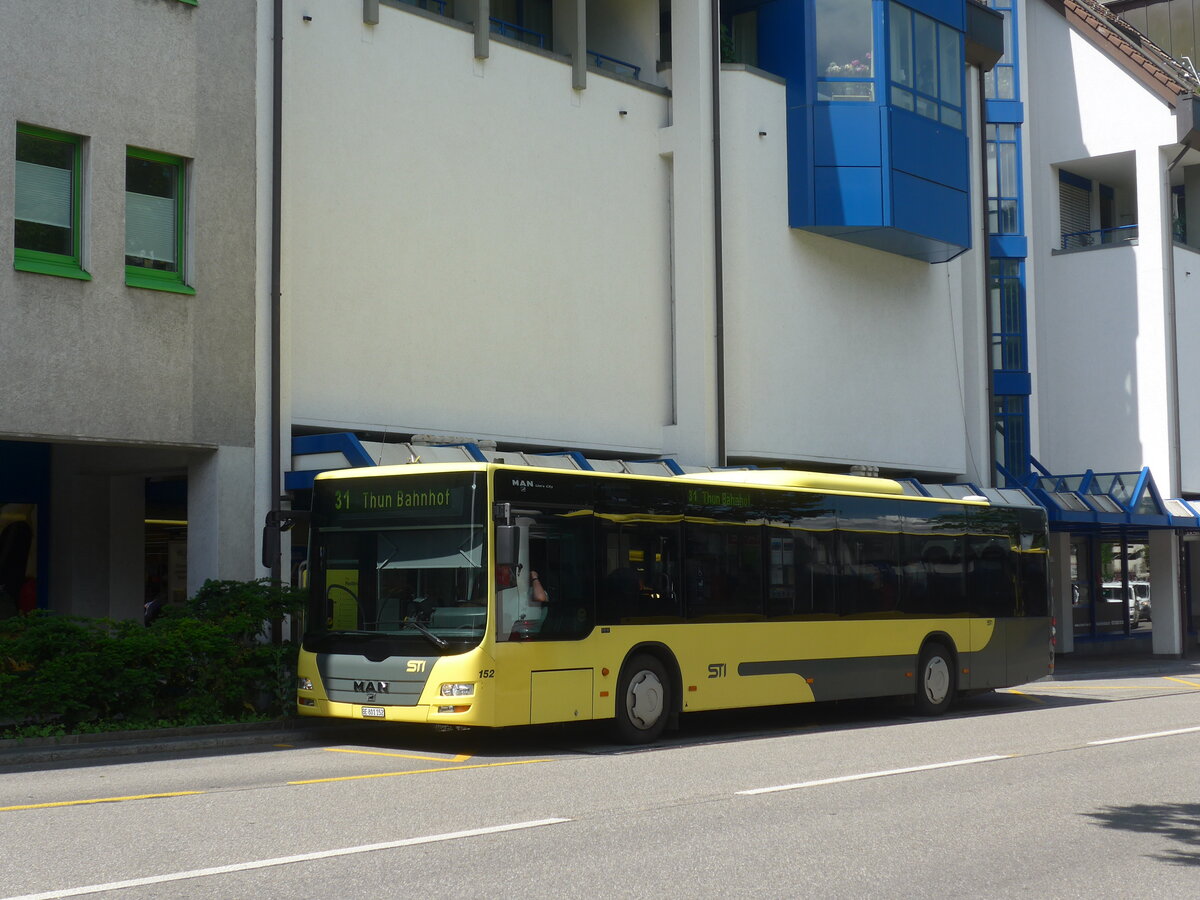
[
  {"x": 723, "y": 572},
  {"x": 870, "y": 578},
  {"x": 639, "y": 577}
]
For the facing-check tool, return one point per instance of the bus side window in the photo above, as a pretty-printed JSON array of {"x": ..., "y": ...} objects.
[{"x": 991, "y": 581}]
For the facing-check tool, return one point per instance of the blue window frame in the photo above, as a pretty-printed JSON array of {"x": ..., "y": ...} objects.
[
  {"x": 845, "y": 59},
  {"x": 1001, "y": 83},
  {"x": 1010, "y": 433},
  {"x": 1006, "y": 292},
  {"x": 1004, "y": 179},
  {"x": 926, "y": 65}
]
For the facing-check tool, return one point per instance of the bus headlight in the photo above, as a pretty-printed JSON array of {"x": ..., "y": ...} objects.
[
  {"x": 458, "y": 690},
  {"x": 303, "y": 684}
]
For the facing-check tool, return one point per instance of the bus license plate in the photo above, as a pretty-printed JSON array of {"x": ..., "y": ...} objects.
[{"x": 374, "y": 712}]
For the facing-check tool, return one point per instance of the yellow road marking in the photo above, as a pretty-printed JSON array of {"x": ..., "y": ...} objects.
[
  {"x": 1182, "y": 681},
  {"x": 460, "y": 758},
  {"x": 1032, "y": 697},
  {"x": 1111, "y": 687},
  {"x": 518, "y": 762},
  {"x": 100, "y": 800}
]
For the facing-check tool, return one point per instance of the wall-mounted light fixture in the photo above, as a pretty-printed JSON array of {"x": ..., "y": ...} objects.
[{"x": 622, "y": 112}]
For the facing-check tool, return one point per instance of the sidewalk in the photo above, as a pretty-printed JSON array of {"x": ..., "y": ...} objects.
[
  {"x": 1072, "y": 666},
  {"x": 24, "y": 751}
]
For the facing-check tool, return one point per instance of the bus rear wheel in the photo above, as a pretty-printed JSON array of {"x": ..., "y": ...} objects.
[
  {"x": 643, "y": 700},
  {"x": 935, "y": 680}
]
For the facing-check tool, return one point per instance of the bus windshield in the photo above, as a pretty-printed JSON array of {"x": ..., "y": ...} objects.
[{"x": 395, "y": 579}]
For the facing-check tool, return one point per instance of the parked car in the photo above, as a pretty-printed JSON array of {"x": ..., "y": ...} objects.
[
  {"x": 1112, "y": 592},
  {"x": 1141, "y": 590}
]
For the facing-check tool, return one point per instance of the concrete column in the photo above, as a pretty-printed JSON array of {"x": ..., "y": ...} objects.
[
  {"x": 78, "y": 539},
  {"x": 483, "y": 28},
  {"x": 1060, "y": 590},
  {"x": 688, "y": 143},
  {"x": 1154, "y": 384},
  {"x": 222, "y": 537},
  {"x": 570, "y": 37},
  {"x": 1166, "y": 608},
  {"x": 126, "y": 546}
]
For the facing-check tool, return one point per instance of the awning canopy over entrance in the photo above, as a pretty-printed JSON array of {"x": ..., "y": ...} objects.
[{"x": 1107, "y": 501}]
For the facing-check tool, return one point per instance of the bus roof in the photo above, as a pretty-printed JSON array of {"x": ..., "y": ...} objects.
[{"x": 770, "y": 478}]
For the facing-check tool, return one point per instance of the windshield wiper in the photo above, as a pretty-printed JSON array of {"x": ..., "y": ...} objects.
[{"x": 439, "y": 642}]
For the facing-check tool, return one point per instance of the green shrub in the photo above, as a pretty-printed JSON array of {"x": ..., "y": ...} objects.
[{"x": 203, "y": 662}]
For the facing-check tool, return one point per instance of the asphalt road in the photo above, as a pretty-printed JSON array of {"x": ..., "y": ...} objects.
[{"x": 1082, "y": 787}]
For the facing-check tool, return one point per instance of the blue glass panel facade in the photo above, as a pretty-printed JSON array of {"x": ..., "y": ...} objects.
[
  {"x": 1011, "y": 383},
  {"x": 877, "y": 151}
]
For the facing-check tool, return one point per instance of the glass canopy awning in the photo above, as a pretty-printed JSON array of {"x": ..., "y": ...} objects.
[{"x": 1103, "y": 501}]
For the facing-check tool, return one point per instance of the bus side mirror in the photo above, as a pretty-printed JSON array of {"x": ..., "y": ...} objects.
[
  {"x": 508, "y": 544},
  {"x": 270, "y": 545}
]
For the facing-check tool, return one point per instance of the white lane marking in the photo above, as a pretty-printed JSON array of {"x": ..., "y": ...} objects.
[
  {"x": 1144, "y": 737},
  {"x": 866, "y": 775},
  {"x": 283, "y": 860}
]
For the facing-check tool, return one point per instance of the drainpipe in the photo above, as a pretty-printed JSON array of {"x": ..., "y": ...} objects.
[
  {"x": 276, "y": 222},
  {"x": 718, "y": 260}
]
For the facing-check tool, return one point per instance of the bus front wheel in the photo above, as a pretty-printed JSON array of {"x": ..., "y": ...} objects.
[
  {"x": 935, "y": 680},
  {"x": 643, "y": 700}
]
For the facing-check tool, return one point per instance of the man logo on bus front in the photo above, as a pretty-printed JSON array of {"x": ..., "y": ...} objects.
[{"x": 371, "y": 687}]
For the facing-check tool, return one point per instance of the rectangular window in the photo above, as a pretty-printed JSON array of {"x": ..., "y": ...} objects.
[
  {"x": 845, "y": 66},
  {"x": 926, "y": 59},
  {"x": 1003, "y": 154},
  {"x": 47, "y": 203},
  {"x": 155, "y": 210}
]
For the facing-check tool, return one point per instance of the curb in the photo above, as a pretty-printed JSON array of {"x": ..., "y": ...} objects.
[{"x": 23, "y": 751}]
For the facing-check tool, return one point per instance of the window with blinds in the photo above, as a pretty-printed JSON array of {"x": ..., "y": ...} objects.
[
  {"x": 154, "y": 220},
  {"x": 1075, "y": 211},
  {"x": 46, "y": 234}
]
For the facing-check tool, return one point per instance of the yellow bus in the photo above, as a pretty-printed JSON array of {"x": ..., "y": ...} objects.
[{"x": 484, "y": 594}]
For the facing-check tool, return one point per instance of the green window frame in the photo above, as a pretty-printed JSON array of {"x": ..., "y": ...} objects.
[
  {"x": 48, "y": 220},
  {"x": 156, "y": 221}
]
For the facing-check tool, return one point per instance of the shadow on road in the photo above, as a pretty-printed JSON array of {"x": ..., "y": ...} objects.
[{"x": 1180, "y": 822}]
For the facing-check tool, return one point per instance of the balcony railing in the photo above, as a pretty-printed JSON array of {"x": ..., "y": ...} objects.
[
  {"x": 1078, "y": 240},
  {"x": 615, "y": 65},
  {"x": 524, "y": 35},
  {"x": 435, "y": 6}
]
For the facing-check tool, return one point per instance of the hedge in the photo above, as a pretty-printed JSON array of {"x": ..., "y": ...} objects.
[{"x": 204, "y": 662}]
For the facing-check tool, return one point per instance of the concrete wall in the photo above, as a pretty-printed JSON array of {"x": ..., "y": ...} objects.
[
  {"x": 98, "y": 359},
  {"x": 835, "y": 353},
  {"x": 89, "y": 363},
  {"x": 470, "y": 246}
]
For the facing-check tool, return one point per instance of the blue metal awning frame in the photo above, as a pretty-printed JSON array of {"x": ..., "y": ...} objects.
[{"x": 1100, "y": 501}]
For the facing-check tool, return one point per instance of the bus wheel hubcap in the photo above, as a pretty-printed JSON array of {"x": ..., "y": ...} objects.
[
  {"x": 937, "y": 680},
  {"x": 644, "y": 699}
]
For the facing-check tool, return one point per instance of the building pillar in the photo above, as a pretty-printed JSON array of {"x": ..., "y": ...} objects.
[
  {"x": 1154, "y": 260},
  {"x": 1060, "y": 590},
  {"x": 126, "y": 546},
  {"x": 687, "y": 143},
  {"x": 1166, "y": 607},
  {"x": 222, "y": 538},
  {"x": 78, "y": 544}
]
